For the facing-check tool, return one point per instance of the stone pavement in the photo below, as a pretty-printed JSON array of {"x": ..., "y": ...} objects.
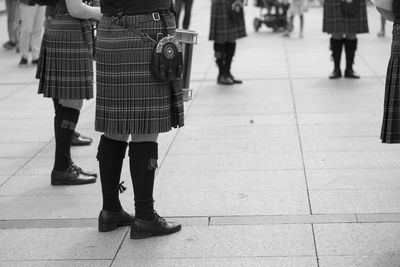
[{"x": 284, "y": 170}]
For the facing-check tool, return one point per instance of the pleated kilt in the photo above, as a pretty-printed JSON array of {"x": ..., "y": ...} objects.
[
  {"x": 65, "y": 68},
  {"x": 222, "y": 28},
  {"x": 129, "y": 99},
  {"x": 390, "y": 132},
  {"x": 335, "y": 22}
]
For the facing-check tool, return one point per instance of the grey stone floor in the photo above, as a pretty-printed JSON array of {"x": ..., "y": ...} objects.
[{"x": 284, "y": 170}]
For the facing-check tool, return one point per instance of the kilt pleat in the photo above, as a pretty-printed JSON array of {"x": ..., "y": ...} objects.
[
  {"x": 222, "y": 27},
  {"x": 335, "y": 22},
  {"x": 65, "y": 69},
  {"x": 129, "y": 100},
  {"x": 390, "y": 132}
]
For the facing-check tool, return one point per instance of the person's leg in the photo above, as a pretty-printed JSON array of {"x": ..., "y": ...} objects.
[
  {"x": 301, "y": 17},
  {"x": 220, "y": 59},
  {"x": 178, "y": 8},
  {"x": 11, "y": 6},
  {"x": 188, "y": 11},
  {"x": 336, "y": 45},
  {"x": 65, "y": 172},
  {"x": 37, "y": 32},
  {"x": 230, "y": 48},
  {"x": 28, "y": 18},
  {"x": 111, "y": 154},
  {"x": 350, "y": 47},
  {"x": 382, "y": 31},
  {"x": 143, "y": 155},
  {"x": 289, "y": 26}
]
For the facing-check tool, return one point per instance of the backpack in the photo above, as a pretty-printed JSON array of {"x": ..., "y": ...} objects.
[{"x": 45, "y": 2}]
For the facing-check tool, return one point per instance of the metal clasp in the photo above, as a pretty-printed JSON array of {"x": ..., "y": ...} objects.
[{"x": 156, "y": 16}]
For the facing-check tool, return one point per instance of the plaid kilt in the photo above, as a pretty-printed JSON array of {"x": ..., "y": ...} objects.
[
  {"x": 335, "y": 22},
  {"x": 222, "y": 28},
  {"x": 65, "y": 68},
  {"x": 129, "y": 99},
  {"x": 390, "y": 132}
]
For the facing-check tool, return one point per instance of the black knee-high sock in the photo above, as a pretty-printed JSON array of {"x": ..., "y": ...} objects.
[
  {"x": 111, "y": 154},
  {"x": 143, "y": 163},
  {"x": 65, "y": 122},
  {"x": 230, "y": 48},
  {"x": 220, "y": 55}
]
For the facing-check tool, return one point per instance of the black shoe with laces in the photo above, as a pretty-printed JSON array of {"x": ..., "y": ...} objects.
[
  {"x": 23, "y": 62},
  {"x": 70, "y": 176},
  {"x": 159, "y": 226},
  {"x": 80, "y": 140},
  {"x": 79, "y": 170},
  {"x": 110, "y": 220}
]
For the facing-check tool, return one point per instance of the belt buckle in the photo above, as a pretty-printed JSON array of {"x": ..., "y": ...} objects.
[{"x": 156, "y": 16}]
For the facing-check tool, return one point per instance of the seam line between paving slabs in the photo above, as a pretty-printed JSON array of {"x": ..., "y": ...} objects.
[
  {"x": 217, "y": 220},
  {"x": 297, "y": 127}
]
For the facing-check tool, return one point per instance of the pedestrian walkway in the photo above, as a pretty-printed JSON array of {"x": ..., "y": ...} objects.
[{"x": 284, "y": 170}]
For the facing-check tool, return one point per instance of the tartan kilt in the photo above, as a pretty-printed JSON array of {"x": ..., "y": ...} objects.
[
  {"x": 390, "y": 132},
  {"x": 222, "y": 28},
  {"x": 129, "y": 99},
  {"x": 65, "y": 69},
  {"x": 335, "y": 22}
]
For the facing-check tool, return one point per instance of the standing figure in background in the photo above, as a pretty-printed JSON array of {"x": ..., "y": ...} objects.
[
  {"x": 382, "y": 31},
  {"x": 11, "y": 7},
  {"x": 227, "y": 25},
  {"x": 65, "y": 73},
  {"x": 188, "y": 10},
  {"x": 32, "y": 19},
  {"x": 344, "y": 20},
  {"x": 297, "y": 7}
]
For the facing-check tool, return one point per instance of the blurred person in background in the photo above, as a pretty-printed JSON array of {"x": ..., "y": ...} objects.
[
  {"x": 382, "y": 31},
  {"x": 343, "y": 20},
  {"x": 188, "y": 10},
  {"x": 32, "y": 19},
  {"x": 11, "y": 9},
  {"x": 297, "y": 7},
  {"x": 65, "y": 73},
  {"x": 227, "y": 25}
]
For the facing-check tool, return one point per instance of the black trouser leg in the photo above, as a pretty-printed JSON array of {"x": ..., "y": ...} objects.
[
  {"x": 188, "y": 11},
  {"x": 143, "y": 163},
  {"x": 336, "y": 46},
  {"x": 178, "y": 8},
  {"x": 65, "y": 121},
  {"x": 350, "y": 47},
  {"x": 111, "y": 154}
]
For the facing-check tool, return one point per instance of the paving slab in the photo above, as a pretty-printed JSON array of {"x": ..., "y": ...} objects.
[
  {"x": 378, "y": 217},
  {"x": 355, "y": 201},
  {"x": 57, "y": 263},
  {"x": 357, "y": 239},
  {"x": 352, "y": 160},
  {"x": 230, "y": 181},
  {"x": 60, "y": 244},
  {"x": 223, "y": 242},
  {"x": 7, "y": 90},
  {"x": 341, "y": 129},
  {"x": 223, "y": 262},
  {"x": 11, "y": 166},
  {"x": 384, "y": 259},
  {"x": 20, "y": 150},
  {"x": 3, "y": 179},
  {"x": 353, "y": 179},
  {"x": 336, "y": 118},
  {"x": 34, "y": 136},
  {"x": 243, "y": 161},
  {"x": 191, "y": 132}
]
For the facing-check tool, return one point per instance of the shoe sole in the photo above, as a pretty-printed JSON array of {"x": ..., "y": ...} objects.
[
  {"x": 103, "y": 227},
  {"x": 72, "y": 183},
  {"x": 143, "y": 235}
]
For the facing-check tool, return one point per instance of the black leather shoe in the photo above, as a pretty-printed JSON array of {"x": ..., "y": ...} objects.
[
  {"x": 80, "y": 140},
  {"x": 110, "y": 220},
  {"x": 224, "y": 80},
  {"x": 335, "y": 74},
  {"x": 80, "y": 171},
  {"x": 159, "y": 226},
  {"x": 233, "y": 79},
  {"x": 70, "y": 177},
  {"x": 351, "y": 74}
]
